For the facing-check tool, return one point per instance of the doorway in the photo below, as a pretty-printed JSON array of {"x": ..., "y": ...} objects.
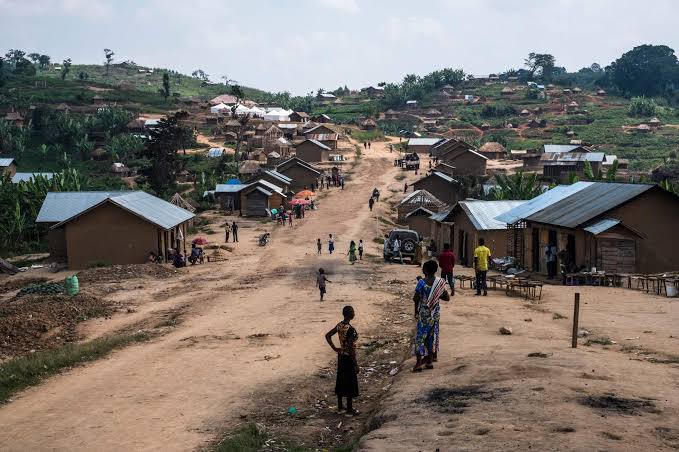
[
  {"x": 462, "y": 246},
  {"x": 536, "y": 249},
  {"x": 570, "y": 252}
]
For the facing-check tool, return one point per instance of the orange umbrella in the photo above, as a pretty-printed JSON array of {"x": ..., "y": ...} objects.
[{"x": 305, "y": 194}]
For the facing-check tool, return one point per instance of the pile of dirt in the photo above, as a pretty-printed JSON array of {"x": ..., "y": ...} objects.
[
  {"x": 116, "y": 273},
  {"x": 17, "y": 283},
  {"x": 35, "y": 322}
]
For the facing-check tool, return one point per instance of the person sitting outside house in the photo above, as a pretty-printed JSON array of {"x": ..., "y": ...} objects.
[
  {"x": 196, "y": 254},
  {"x": 178, "y": 259}
]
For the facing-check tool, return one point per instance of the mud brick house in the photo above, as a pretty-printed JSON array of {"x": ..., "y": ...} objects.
[
  {"x": 463, "y": 156},
  {"x": 441, "y": 185},
  {"x": 312, "y": 151},
  {"x": 614, "y": 227},
  {"x": 303, "y": 174},
  {"x": 259, "y": 197},
  {"x": 111, "y": 227}
]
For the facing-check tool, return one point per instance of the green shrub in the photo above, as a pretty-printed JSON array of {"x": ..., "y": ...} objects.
[{"x": 642, "y": 106}]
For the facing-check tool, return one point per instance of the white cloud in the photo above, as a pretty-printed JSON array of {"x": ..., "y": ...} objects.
[
  {"x": 409, "y": 28},
  {"x": 345, "y": 6}
]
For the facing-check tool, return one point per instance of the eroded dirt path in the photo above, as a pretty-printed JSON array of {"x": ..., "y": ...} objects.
[{"x": 178, "y": 391}]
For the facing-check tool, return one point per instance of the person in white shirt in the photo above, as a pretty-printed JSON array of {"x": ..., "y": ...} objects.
[{"x": 396, "y": 249}]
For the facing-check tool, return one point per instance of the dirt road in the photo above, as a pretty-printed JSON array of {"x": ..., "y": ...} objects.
[{"x": 248, "y": 324}]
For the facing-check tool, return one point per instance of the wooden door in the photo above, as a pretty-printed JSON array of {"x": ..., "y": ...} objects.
[{"x": 617, "y": 255}]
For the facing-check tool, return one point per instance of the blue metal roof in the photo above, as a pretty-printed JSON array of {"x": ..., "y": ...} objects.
[
  {"x": 25, "y": 177},
  {"x": 60, "y": 207},
  {"x": 540, "y": 202},
  {"x": 215, "y": 152},
  {"x": 602, "y": 225},
  {"x": 559, "y": 148},
  {"x": 483, "y": 214},
  {"x": 586, "y": 204},
  {"x": 6, "y": 161}
]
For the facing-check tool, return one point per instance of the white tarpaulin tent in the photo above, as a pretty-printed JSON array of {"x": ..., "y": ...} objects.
[
  {"x": 278, "y": 114},
  {"x": 218, "y": 108}
]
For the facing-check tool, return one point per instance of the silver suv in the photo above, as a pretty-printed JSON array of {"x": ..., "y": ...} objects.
[{"x": 409, "y": 241}]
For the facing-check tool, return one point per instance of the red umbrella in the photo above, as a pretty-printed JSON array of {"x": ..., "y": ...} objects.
[
  {"x": 200, "y": 241},
  {"x": 305, "y": 194},
  {"x": 303, "y": 202}
]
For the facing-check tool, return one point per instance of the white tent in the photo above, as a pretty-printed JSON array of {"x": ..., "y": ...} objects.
[
  {"x": 256, "y": 111},
  {"x": 243, "y": 110},
  {"x": 219, "y": 107},
  {"x": 277, "y": 114}
]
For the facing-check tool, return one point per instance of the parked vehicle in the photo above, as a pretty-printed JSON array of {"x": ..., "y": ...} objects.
[{"x": 409, "y": 240}]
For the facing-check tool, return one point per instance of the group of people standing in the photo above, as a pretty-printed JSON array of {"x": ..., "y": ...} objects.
[
  {"x": 330, "y": 180},
  {"x": 230, "y": 231}
]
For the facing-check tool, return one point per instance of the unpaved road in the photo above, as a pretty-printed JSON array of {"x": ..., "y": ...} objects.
[{"x": 178, "y": 391}]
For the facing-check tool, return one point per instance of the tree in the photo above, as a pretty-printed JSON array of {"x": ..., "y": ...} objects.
[
  {"x": 165, "y": 141},
  {"x": 3, "y": 78},
  {"x": 541, "y": 65},
  {"x": 165, "y": 90},
  {"x": 237, "y": 91},
  {"x": 517, "y": 186},
  {"x": 200, "y": 75},
  {"x": 641, "y": 106},
  {"x": 646, "y": 70},
  {"x": 13, "y": 56},
  {"x": 44, "y": 61},
  {"x": 108, "y": 54},
  {"x": 612, "y": 171},
  {"x": 65, "y": 68},
  {"x": 34, "y": 57},
  {"x": 589, "y": 171},
  {"x": 82, "y": 75}
]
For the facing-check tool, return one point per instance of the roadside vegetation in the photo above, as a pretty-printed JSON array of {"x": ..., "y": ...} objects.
[{"x": 24, "y": 371}]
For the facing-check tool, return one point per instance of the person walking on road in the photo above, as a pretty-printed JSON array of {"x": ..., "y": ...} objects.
[
  {"x": 227, "y": 232},
  {"x": 405, "y": 187},
  {"x": 321, "y": 279},
  {"x": 319, "y": 245},
  {"x": 396, "y": 249},
  {"x": 371, "y": 201},
  {"x": 376, "y": 194},
  {"x": 368, "y": 144},
  {"x": 234, "y": 231},
  {"x": 428, "y": 292},
  {"x": 360, "y": 249},
  {"x": 481, "y": 263},
  {"x": 447, "y": 263},
  {"x": 331, "y": 244},
  {"x": 352, "y": 252}
]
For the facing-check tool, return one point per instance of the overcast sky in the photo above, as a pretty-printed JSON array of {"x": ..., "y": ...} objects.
[{"x": 302, "y": 45}]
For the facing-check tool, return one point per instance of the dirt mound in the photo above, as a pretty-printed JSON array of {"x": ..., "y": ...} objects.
[
  {"x": 35, "y": 322},
  {"x": 122, "y": 272}
]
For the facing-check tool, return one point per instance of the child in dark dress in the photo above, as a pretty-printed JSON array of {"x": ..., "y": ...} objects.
[{"x": 347, "y": 367}]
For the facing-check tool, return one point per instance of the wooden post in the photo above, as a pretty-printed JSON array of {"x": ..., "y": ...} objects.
[{"x": 576, "y": 318}]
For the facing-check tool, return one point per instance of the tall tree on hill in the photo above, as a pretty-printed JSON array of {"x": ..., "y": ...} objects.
[
  {"x": 165, "y": 89},
  {"x": 200, "y": 75},
  {"x": 647, "y": 70},
  {"x": 2, "y": 72},
  {"x": 43, "y": 61},
  {"x": 34, "y": 57},
  {"x": 13, "y": 56},
  {"x": 164, "y": 142},
  {"x": 540, "y": 65},
  {"x": 237, "y": 91},
  {"x": 108, "y": 53},
  {"x": 65, "y": 68}
]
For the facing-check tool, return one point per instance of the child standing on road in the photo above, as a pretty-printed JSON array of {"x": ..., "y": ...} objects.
[
  {"x": 360, "y": 249},
  {"x": 331, "y": 244},
  {"x": 318, "y": 245},
  {"x": 346, "y": 384},
  {"x": 321, "y": 279}
]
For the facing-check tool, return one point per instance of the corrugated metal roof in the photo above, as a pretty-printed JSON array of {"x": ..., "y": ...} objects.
[
  {"x": 539, "y": 202},
  {"x": 588, "y": 203},
  {"x": 582, "y": 157},
  {"x": 318, "y": 143},
  {"x": 298, "y": 161},
  {"x": 279, "y": 176},
  {"x": 6, "y": 161},
  {"x": 551, "y": 148},
  {"x": 229, "y": 188},
  {"x": 444, "y": 176},
  {"x": 602, "y": 225},
  {"x": 441, "y": 216},
  {"x": 423, "y": 141},
  {"x": 482, "y": 214},
  {"x": 63, "y": 206},
  {"x": 58, "y": 207},
  {"x": 268, "y": 184},
  {"x": 420, "y": 209},
  {"x": 25, "y": 177}
]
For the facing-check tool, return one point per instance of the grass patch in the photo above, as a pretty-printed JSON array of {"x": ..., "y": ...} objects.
[
  {"x": 399, "y": 177},
  {"x": 367, "y": 135},
  {"x": 249, "y": 438},
  {"x": 558, "y": 316},
  {"x": 386, "y": 221},
  {"x": 25, "y": 371},
  {"x": 603, "y": 340},
  {"x": 378, "y": 240}
]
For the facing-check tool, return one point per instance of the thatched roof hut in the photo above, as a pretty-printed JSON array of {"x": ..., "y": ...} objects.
[
  {"x": 507, "y": 91},
  {"x": 485, "y": 126},
  {"x": 99, "y": 154},
  {"x": 249, "y": 167},
  {"x": 524, "y": 112},
  {"x": 655, "y": 123},
  {"x": 643, "y": 128},
  {"x": 601, "y": 92}
]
